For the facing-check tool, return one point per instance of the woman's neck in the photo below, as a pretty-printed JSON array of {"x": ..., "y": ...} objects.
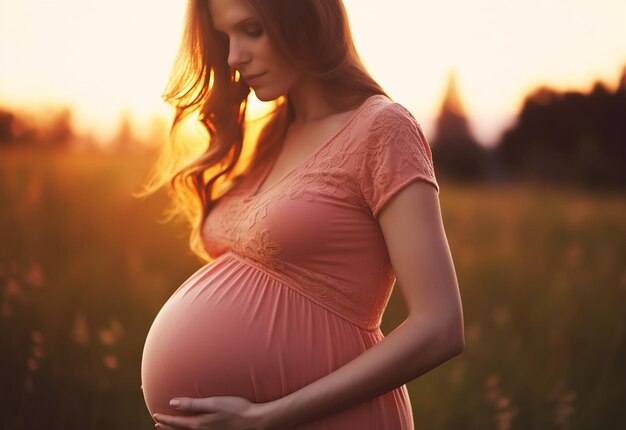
[{"x": 310, "y": 103}]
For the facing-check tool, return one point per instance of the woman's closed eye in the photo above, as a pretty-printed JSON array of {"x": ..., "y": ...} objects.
[{"x": 254, "y": 30}]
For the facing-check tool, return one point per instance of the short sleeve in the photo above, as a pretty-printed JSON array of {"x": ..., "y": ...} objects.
[{"x": 393, "y": 153}]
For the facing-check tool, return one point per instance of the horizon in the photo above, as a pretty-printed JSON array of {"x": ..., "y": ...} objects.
[{"x": 497, "y": 61}]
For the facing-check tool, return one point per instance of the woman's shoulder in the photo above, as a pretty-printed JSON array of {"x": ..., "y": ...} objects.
[
  {"x": 383, "y": 113},
  {"x": 391, "y": 112}
]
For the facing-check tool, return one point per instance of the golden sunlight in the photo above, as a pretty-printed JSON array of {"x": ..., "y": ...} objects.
[{"x": 103, "y": 58}]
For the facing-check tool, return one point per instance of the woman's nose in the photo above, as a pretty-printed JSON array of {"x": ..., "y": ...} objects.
[{"x": 237, "y": 54}]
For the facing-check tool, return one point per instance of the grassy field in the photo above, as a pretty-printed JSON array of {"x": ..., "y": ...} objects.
[{"x": 85, "y": 267}]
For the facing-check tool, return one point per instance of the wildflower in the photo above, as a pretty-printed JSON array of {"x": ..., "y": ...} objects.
[
  {"x": 12, "y": 288},
  {"x": 574, "y": 254},
  {"x": 32, "y": 364},
  {"x": 107, "y": 337},
  {"x": 110, "y": 361},
  {"x": 36, "y": 336},
  {"x": 492, "y": 380},
  {"x": 80, "y": 332},
  {"x": 456, "y": 375},
  {"x": 34, "y": 276},
  {"x": 110, "y": 335},
  {"x": 501, "y": 315}
]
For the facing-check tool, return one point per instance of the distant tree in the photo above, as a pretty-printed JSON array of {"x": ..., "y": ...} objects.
[
  {"x": 15, "y": 129},
  {"x": 60, "y": 133},
  {"x": 622, "y": 82},
  {"x": 570, "y": 137},
  {"x": 456, "y": 153},
  {"x": 158, "y": 132},
  {"x": 48, "y": 128},
  {"x": 6, "y": 127},
  {"x": 124, "y": 139}
]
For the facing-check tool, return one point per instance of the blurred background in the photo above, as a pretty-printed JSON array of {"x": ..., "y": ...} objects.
[{"x": 523, "y": 103}]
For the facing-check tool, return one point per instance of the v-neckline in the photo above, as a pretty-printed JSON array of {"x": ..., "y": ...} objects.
[{"x": 270, "y": 165}]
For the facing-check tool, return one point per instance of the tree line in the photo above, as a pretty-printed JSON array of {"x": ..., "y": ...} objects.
[
  {"x": 566, "y": 137},
  {"x": 561, "y": 137}
]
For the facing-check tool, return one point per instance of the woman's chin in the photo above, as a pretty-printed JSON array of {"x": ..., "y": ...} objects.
[{"x": 264, "y": 95}]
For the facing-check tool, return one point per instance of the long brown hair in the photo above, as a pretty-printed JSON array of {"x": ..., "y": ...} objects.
[{"x": 312, "y": 35}]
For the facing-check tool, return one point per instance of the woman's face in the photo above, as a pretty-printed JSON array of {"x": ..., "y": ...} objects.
[{"x": 250, "y": 50}]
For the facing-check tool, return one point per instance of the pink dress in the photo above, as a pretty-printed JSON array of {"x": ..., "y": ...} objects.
[{"x": 300, "y": 280}]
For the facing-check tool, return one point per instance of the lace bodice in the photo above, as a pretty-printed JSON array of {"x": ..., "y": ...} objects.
[{"x": 316, "y": 229}]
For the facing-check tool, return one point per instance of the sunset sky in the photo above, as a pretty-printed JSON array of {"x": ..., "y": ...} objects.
[{"x": 106, "y": 56}]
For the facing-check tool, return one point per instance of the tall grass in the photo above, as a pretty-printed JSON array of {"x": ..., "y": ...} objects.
[{"x": 85, "y": 267}]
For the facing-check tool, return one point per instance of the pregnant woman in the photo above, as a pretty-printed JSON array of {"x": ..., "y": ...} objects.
[{"x": 303, "y": 240}]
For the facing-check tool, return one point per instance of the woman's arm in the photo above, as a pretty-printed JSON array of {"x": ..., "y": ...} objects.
[{"x": 432, "y": 333}]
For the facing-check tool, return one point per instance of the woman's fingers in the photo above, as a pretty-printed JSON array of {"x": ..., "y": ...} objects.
[
  {"x": 161, "y": 426},
  {"x": 205, "y": 405},
  {"x": 166, "y": 427},
  {"x": 174, "y": 422}
]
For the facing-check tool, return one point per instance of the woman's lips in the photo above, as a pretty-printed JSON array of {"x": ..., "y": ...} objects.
[{"x": 252, "y": 79}]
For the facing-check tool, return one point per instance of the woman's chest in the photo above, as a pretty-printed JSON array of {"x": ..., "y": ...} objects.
[{"x": 303, "y": 216}]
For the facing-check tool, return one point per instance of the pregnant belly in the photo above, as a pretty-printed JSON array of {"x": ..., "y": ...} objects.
[{"x": 232, "y": 329}]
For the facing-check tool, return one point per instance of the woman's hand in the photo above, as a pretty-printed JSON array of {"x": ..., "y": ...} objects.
[{"x": 219, "y": 413}]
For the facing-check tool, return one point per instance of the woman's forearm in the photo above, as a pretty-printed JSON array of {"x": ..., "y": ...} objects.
[{"x": 412, "y": 349}]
